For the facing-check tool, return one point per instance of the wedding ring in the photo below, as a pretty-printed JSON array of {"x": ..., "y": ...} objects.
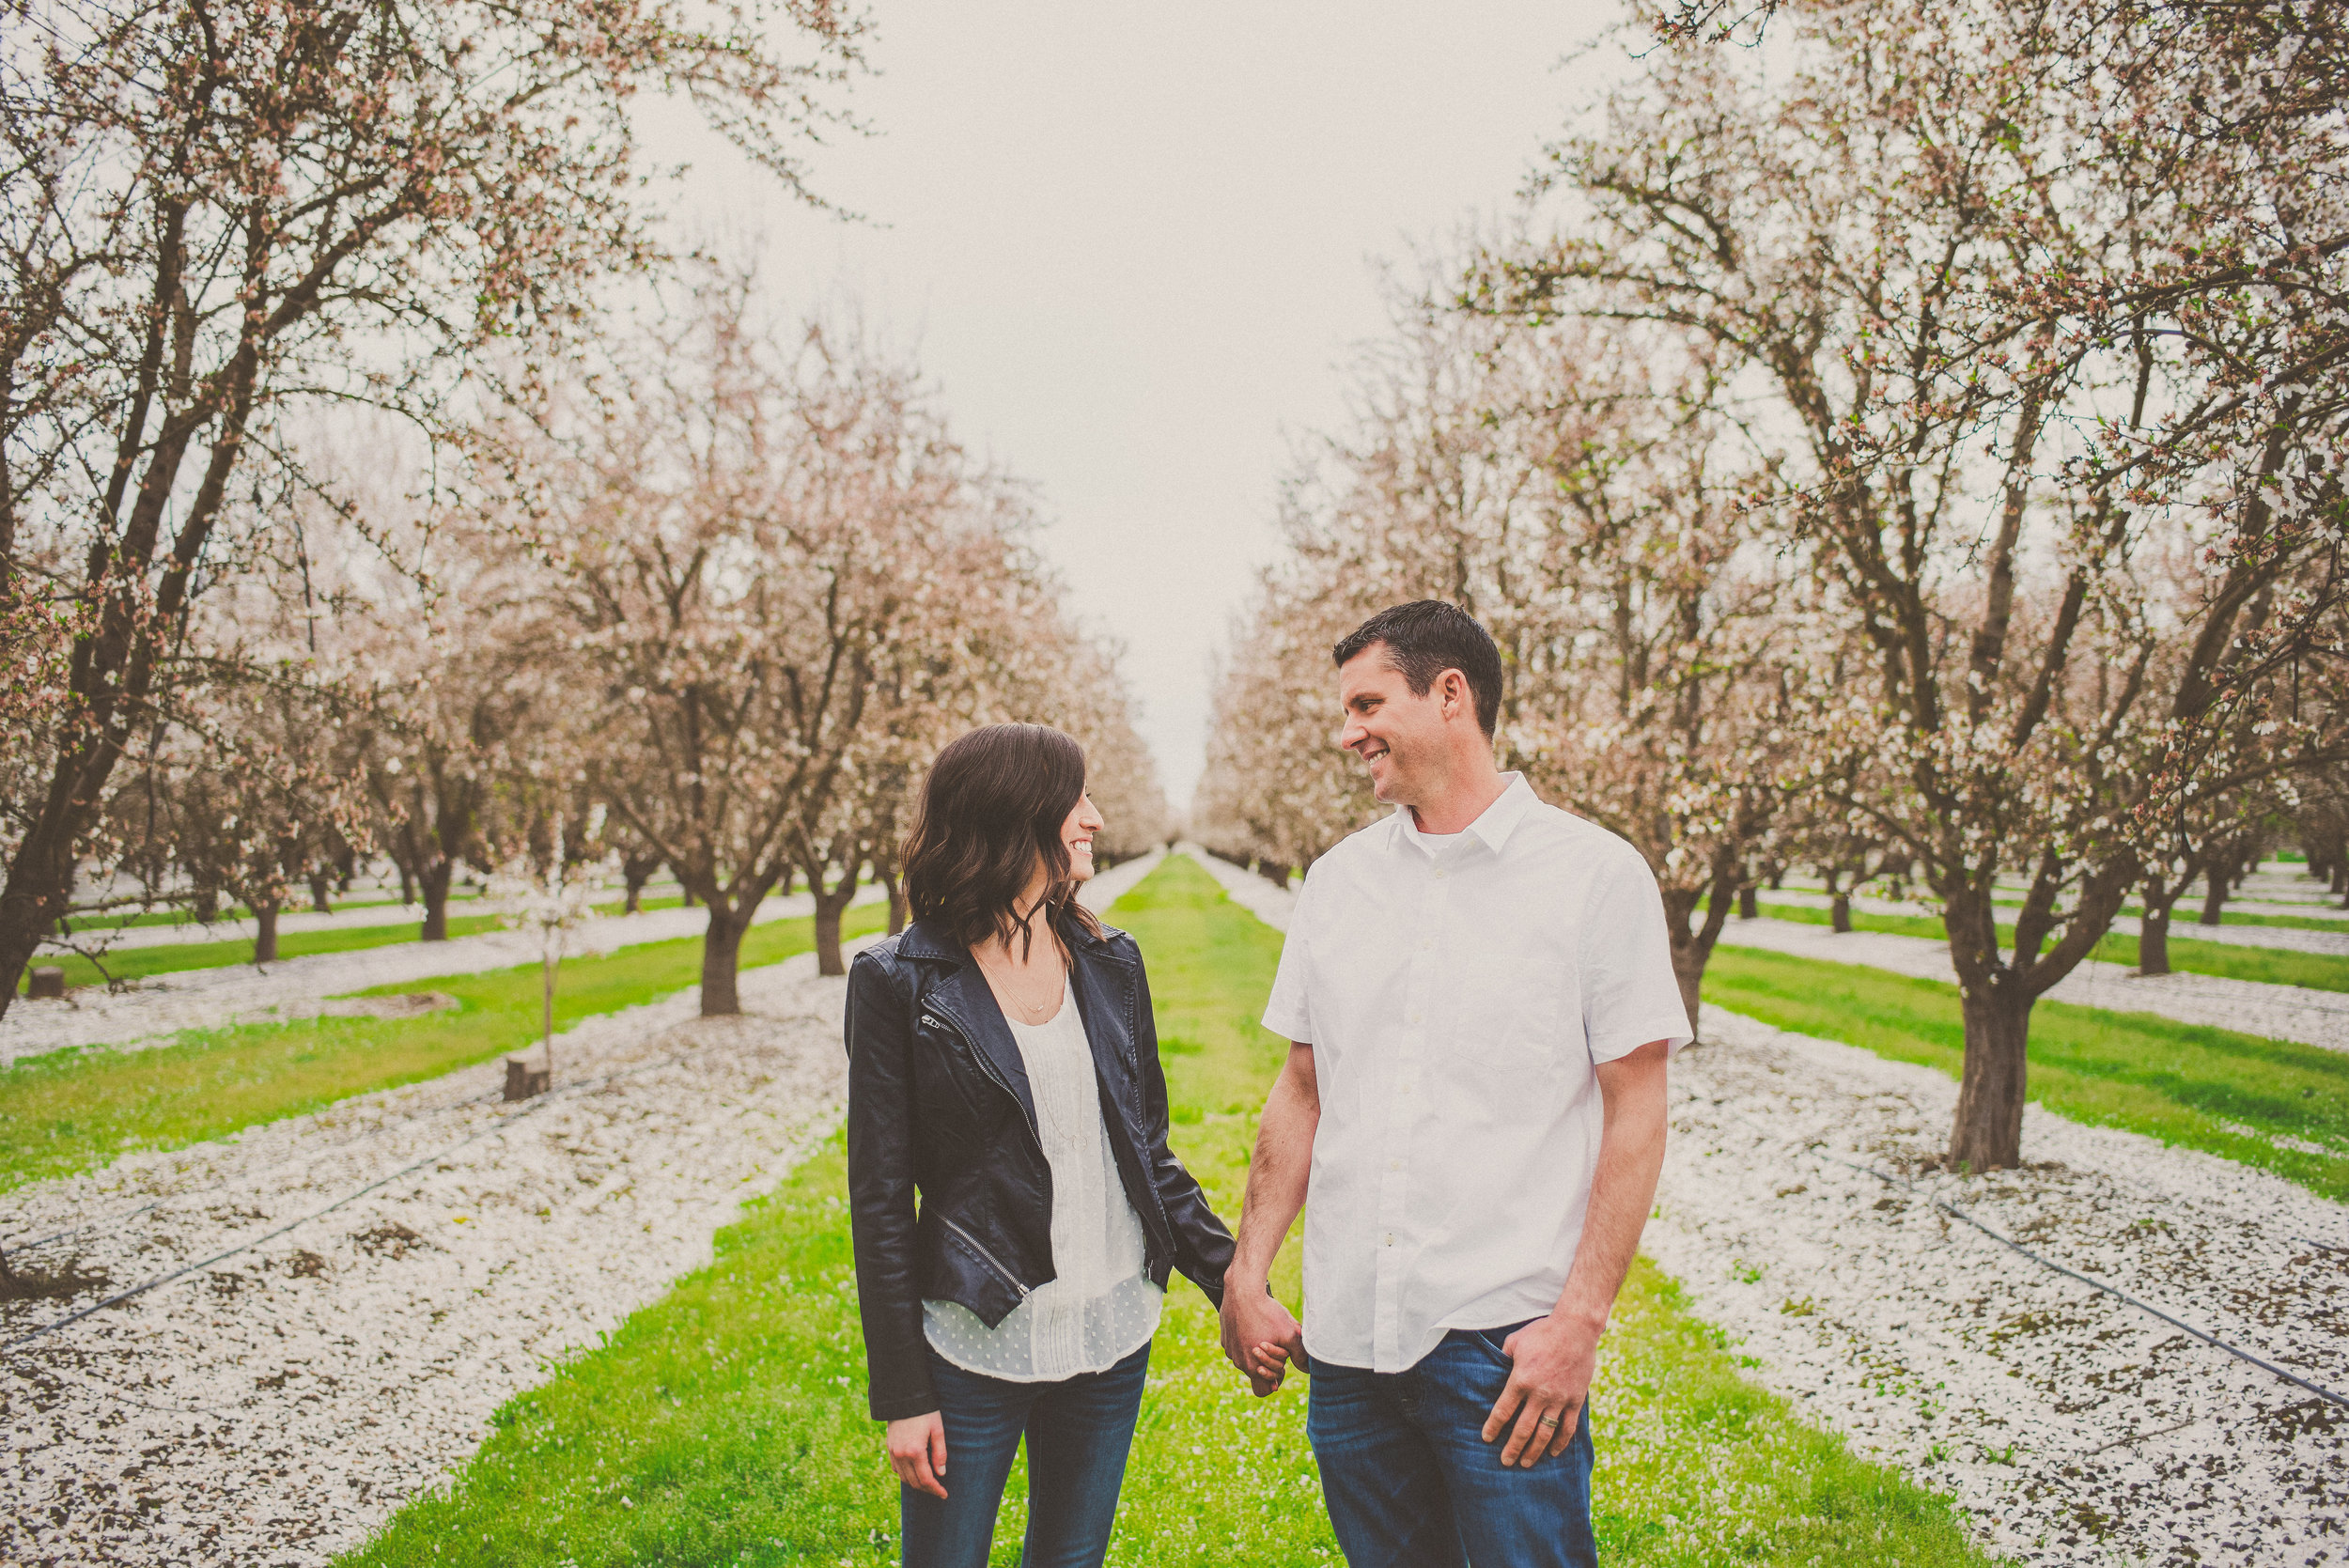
[{"x": 1549, "y": 1420}]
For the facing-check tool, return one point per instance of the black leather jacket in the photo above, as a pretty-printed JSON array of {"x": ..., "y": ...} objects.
[{"x": 939, "y": 1104}]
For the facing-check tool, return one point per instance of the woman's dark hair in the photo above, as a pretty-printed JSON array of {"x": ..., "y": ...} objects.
[{"x": 994, "y": 800}]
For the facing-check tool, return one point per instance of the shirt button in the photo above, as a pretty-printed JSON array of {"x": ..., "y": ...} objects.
[
  {"x": 1395, "y": 1165},
  {"x": 1438, "y": 874},
  {"x": 1427, "y": 943},
  {"x": 1390, "y": 1238}
]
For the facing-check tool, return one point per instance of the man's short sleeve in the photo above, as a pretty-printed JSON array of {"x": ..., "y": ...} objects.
[
  {"x": 1630, "y": 994},
  {"x": 1289, "y": 1013}
]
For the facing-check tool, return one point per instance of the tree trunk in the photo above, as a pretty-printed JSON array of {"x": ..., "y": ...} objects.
[
  {"x": 2152, "y": 941},
  {"x": 1839, "y": 914},
  {"x": 435, "y": 882},
  {"x": 636, "y": 879},
  {"x": 546, "y": 1014},
  {"x": 407, "y": 886},
  {"x": 1692, "y": 950},
  {"x": 1688, "y": 962},
  {"x": 1748, "y": 906},
  {"x": 321, "y": 892},
  {"x": 265, "y": 930},
  {"x": 830, "y": 905},
  {"x": 1988, "y": 1134},
  {"x": 722, "y": 959},
  {"x": 899, "y": 911},
  {"x": 2152, "y": 937},
  {"x": 2216, "y": 899},
  {"x": 2155, "y": 928}
]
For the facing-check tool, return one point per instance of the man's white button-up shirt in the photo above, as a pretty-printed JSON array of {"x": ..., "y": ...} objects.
[{"x": 1457, "y": 995}]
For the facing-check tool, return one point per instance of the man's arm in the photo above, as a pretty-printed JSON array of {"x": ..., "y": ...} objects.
[
  {"x": 1254, "y": 1319},
  {"x": 1556, "y": 1356}
]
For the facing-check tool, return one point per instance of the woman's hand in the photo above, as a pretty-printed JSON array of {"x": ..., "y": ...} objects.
[{"x": 917, "y": 1451}]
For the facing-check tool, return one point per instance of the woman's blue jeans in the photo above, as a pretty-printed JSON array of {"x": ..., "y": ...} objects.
[{"x": 1078, "y": 1432}]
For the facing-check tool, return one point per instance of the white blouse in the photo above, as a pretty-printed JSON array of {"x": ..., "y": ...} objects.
[{"x": 1100, "y": 1308}]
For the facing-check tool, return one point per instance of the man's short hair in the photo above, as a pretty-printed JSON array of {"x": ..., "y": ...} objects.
[{"x": 1426, "y": 637}]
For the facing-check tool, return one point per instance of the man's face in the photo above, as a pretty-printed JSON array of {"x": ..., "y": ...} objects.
[{"x": 1399, "y": 734}]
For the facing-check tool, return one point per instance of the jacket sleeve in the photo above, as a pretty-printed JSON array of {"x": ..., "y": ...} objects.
[
  {"x": 1203, "y": 1247},
  {"x": 881, "y": 1191}
]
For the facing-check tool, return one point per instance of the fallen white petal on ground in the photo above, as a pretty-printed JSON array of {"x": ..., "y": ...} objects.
[
  {"x": 2270, "y": 893},
  {"x": 1243, "y": 887},
  {"x": 159, "y": 1007},
  {"x": 2287, "y": 938},
  {"x": 2299, "y": 1013},
  {"x": 275, "y": 1407},
  {"x": 2072, "y": 1427}
]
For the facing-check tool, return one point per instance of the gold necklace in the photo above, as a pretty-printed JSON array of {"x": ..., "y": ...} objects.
[{"x": 1036, "y": 1010}]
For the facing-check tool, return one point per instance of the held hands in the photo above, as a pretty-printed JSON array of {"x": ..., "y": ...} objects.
[
  {"x": 1260, "y": 1337},
  {"x": 1553, "y": 1360},
  {"x": 917, "y": 1451}
]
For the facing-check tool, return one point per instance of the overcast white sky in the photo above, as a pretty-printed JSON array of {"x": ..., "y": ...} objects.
[{"x": 1135, "y": 247}]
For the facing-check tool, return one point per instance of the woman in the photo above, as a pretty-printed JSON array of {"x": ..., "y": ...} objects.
[{"x": 1003, "y": 1066}]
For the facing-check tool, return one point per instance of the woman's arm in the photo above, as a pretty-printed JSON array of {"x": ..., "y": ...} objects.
[
  {"x": 1203, "y": 1245},
  {"x": 881, "y": 1193}
]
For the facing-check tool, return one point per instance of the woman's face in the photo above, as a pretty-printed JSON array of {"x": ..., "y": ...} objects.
[{"x": 1076, "y": 834}]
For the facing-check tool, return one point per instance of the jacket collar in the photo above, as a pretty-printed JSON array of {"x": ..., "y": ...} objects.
[{"x": 971, "y": 1001}]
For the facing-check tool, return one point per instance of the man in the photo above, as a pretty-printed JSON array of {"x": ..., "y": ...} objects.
[{"x": 1480, "y": 1001}]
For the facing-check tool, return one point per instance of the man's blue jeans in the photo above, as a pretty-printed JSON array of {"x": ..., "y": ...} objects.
[
  {"x": 1078, "y": 1433},
  {"x": 1411, "y": 1482}
]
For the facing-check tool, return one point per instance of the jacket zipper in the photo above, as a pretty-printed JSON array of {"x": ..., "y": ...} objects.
[
  {"x": 992, "y": 1262},
  {"x": 988, "y": 1069}
]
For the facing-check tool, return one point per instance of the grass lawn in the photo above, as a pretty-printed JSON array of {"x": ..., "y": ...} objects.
[
  {"x": 187, "y": 917},
  {"x": 2270, "y": 966},
  {"x": 138, "y": 963},
  {"x": 726, "y": 1423},
  {"x": 2298, "y": 923},
  {"x": 72, "y": 1110},
  {"x": 2208, "y": 1089}
]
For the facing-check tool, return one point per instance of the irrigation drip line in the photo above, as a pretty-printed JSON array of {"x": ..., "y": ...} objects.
[
  {"x": 120, "y": 1296},
  {"x": 388, "y": 1124},
  {"x": 2180, "y": 1324},
  {"x": 1955, "y": 1212},
  {"x": 500, "y": 1124}
]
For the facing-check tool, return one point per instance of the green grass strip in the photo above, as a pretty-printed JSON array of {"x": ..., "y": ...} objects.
[
  {"x": 139, "y": 963},
  {"x": 2194, "y": 1086},
  {"x": 2299, "y": 922},
  {"x": 2268, "y": 966},
  {"x": 726, "y": 1423},
  {"x": 72, "y": 1110}
]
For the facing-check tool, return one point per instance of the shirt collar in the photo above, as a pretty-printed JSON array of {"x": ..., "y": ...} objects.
[{"x": 1492, "y": 825}]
